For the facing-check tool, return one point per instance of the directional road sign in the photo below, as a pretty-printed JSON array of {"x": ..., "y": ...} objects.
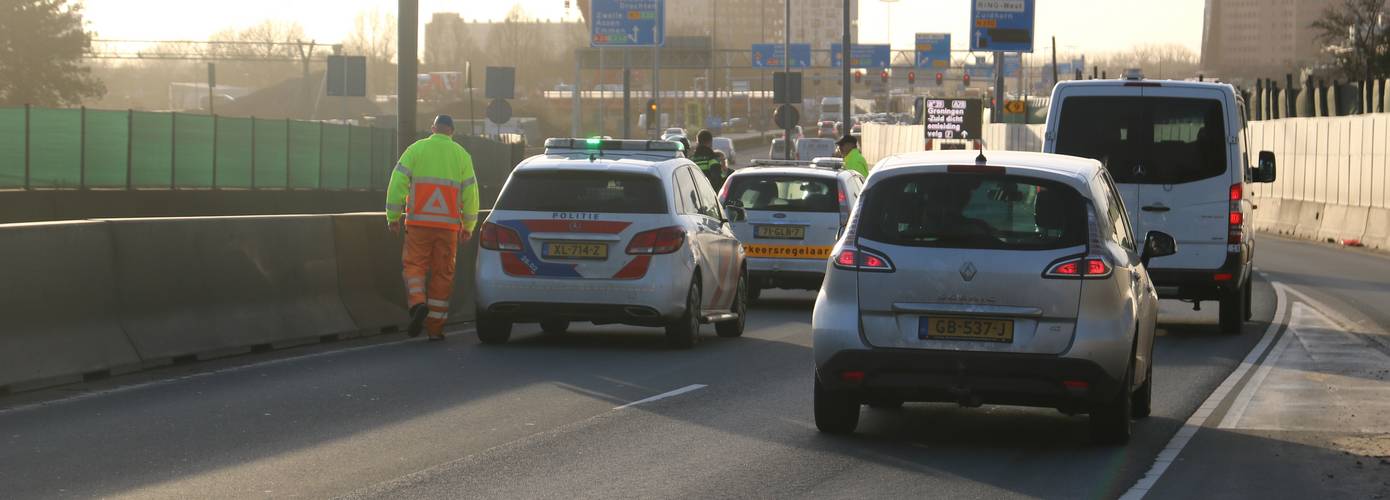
[
  {"x": 769, "y": 55},
  {"x": 953, "y": 118},
  {"x": 627, "y": 23},
  {"x": 934, "y": 50},
  {"x": 863, "y": 56},
  {"x": 1001, "y": 25}
]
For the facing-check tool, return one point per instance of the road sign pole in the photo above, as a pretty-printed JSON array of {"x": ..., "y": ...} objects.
[
  {"x": 844, "y": 71},
  {"x": 995, "y": 111},
  {"x": 407, "y": 36},
  {"x": 627, "y": 94},
  {"x": 786, "y": 68},
  {"x": 576, "y": 112}
]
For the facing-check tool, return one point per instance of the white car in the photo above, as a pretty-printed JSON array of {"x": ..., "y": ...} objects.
[
  {"x": 792, "y": 213},
  {"x": 609, "y": 231},
  {"x": 726, "y": 145},
  {"x": 815, "y": 148},
  {"x": 1177, "y": 152},
  {"x": 1012, "y": 279}
]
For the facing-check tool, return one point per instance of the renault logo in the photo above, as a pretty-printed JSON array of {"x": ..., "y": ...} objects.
[{"x": 967, "y": 271}]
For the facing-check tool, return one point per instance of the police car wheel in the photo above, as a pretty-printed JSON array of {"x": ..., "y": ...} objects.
[
  {"x": 680, "y": 334},
  {"x": 734, "y": 327},
  {"x": 494, "y": 331},
  {"x": 554, "y": 326}
]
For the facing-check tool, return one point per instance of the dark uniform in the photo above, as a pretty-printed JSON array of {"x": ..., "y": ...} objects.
[{"x": 711, "y": 163}]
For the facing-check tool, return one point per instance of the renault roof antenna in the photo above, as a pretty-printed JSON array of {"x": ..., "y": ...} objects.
[{"x": 980, "y": 158}]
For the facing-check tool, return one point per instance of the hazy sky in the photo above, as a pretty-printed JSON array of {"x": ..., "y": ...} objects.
[{"x": 1080, "y": 25}]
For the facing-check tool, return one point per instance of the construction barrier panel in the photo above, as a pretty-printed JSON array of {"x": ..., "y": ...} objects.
[{"x": 59, "y": 303}]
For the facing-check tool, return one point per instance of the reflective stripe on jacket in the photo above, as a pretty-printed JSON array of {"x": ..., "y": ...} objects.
[{"x": 433, "y": 186}]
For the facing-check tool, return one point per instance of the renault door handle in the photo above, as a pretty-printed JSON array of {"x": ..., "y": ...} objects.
[{"x": 1156, "y": 208}]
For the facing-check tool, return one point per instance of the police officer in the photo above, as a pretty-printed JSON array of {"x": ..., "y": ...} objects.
[
  {"x": 854, "y": 160},
  {"x": 711, "y": 162},
  {"x": 434, "y": 192}
]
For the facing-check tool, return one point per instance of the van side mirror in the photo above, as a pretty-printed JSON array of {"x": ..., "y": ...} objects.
[
  {"x": 1157, "y": 244},
  {"x": 735, "y": 213},
  {"x": 1265, "y": 170}
]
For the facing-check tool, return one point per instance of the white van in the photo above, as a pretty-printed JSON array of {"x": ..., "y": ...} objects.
[{"x": 1177, "y": 153}]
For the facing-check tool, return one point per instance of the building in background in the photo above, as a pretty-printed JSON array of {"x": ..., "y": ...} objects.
[
  {"x": 1249, "y": 39},
  {"x": 742, "y": 23}
]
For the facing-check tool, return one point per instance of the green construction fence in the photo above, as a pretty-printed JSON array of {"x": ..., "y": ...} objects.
[{"x": 46, "y": 148}]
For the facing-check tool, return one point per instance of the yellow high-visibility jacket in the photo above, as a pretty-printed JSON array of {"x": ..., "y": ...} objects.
[{"x": 433, "y": 186}]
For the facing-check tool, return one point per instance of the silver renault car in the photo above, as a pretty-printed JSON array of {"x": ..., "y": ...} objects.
[{"x": 988, "y": 278}]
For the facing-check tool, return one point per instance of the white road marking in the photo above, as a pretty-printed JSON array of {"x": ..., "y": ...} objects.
[
  {"x": 664, "y": 395},
  {"x": 191, "y": 376},
  {"x": 1195, "y": 421}
]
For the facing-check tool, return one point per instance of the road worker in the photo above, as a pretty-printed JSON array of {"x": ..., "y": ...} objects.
[
  {"x": 434, "y": 195},
  {"x": 711, "y": 162},
  {"x": 854, "y": 160}
]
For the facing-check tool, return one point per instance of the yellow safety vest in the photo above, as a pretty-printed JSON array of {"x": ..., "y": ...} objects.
[{"x": 433, "y": 186}]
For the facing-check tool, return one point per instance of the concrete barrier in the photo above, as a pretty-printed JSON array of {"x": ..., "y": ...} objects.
[
  {"x": 1267, "y": 213},
  {"x": 1287, "y": 222},
  {"x": 206, "y": 286},
  {"x": 1377, "y": 233},
  {"x": 1309, "y": 220},
  {"x": 369, "y": 272},
  {"x": 59, "y": 303},
  {"x": 1334, "y": 218}
]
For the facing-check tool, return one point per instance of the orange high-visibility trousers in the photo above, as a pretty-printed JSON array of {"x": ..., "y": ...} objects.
[{"x": 428, "y": 260}]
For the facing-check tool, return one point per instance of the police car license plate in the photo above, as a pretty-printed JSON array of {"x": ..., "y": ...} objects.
[
  {"x": 574, "y": 250},
  {"x": 781, "y": 232},
  {"x": 952, "y": 328}
]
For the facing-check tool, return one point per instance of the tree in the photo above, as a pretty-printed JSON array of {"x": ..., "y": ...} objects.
[
  {"x": 1357, "y": 38},
  {"x": 271, "y": 52},
  {"x": 514, "y": 38},
  {"x": 374, "y": 36},
  {"x": 41, "y": 47}
]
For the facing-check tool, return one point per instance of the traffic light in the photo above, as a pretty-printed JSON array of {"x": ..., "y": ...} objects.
[
  {"x": 966, "y": 79},
  {"x": 651, "y": 115},
  {"x": 911, "y": 77},
  {"x": 883, "y": 76},
  {"x": 858, "y": 77},
  {"x": 940, "y": 79}
]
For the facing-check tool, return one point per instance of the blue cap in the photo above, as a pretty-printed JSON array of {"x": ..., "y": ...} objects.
[{"x": 444, "y": 121}]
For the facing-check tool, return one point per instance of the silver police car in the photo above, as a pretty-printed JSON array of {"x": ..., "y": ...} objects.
[
  {"x": 988, "y": 278},
  {"x": 609, "y": 231},
  {"x": 789, "y": 214}
]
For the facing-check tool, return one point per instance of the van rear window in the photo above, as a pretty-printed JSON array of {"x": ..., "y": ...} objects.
[
  {"x": 1146, "y": 140},
  {"x": 973, "y": 211},
  {"x": 584, "y": 191}
]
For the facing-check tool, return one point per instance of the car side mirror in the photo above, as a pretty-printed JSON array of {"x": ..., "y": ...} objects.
[
  {"x": 735, "y": 213},
  {"x": 1265, "y": 170},
  {"x": 1157, "y": 244}
]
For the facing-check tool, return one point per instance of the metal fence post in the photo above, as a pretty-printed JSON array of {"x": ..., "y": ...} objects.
[
  {"x": 287, "y": 154},
  {"x": 129, "y": 143},
  {"x": 173, "y": 150},
  {"x": 28, "y": 184},
  {"x": 253, "y": 153},
  {"x": 82, "y": 149},
  {"x": 214, "y": 151},
  {"x": 349, "y": 159},
  {"x": 320, "y": 185}
]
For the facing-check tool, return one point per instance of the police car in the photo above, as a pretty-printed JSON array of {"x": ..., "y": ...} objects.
[
  {"x": 609, "y": 231},
  {"x": 788, "y": 216}
]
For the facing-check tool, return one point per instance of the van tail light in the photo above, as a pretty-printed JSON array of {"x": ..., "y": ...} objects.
[
  {"x": 1235, "y": 220},
  {"x": 853, "y": 259},
  {"x": 657, "y": 241},
  {"x": 495, "y": 237},
  {"x": 1090, "y": 267}
]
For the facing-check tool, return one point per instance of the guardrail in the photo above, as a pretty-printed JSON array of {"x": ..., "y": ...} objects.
[{"x": 85, "y": 299}]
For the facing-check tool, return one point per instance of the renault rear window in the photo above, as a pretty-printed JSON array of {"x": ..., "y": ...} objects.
[
  {"x": 1146, "y": 140},
  {"x": 584, "y": 191},
  {"x": 785, "y": 193},
  {"x": 957, "y": 210}
]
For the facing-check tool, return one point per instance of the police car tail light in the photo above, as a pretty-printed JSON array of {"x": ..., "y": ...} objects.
[
  {"x": 1079, "y": 268},
  {"x": 853, "y": 259},
  {"x": 657, "y": 241},
  {"x": 495, "y": 237},
  {"x": 844, "y": 207}
]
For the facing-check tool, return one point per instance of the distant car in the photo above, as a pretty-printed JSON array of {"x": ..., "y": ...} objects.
[
  {"x": 1013, "y": 280},
  {"x": 736, "y": 125},
  {"x": 675, "y": 131},
  {"x": 793, "y": 212},
  {"x": 609, "y": 231},
  {"x": 826, "y": 128},
  {"x": 778, "y": 149},
  {"x": 673, "y": 137},
  {"x": 726, "y": 145},
  {"x": 809, "y": 148}
]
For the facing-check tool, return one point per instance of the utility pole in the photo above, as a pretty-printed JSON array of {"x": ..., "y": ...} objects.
[
  {"x": 627, "y": 93},
  {"x": 1054, "y": 62},
  {"x": 407, "y": 34},
  {"x": 786, "y": 70},
  {"x": 996, "y": 114},
  {"x": 844, "y": 72}
]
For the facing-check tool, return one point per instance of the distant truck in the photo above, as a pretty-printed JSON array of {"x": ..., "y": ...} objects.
[{"x": 830, "y": 108}]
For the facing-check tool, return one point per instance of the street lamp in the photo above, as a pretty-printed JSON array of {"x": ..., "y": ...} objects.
[{"x": 888, "y": 18}]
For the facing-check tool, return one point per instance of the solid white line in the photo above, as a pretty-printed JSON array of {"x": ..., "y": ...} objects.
[
  {"x": 1247, "y": 393},
  {"x": 1198, "y": 417},
  {"x": 191, "y": 376},
  {"x": 664, "y": 395}
]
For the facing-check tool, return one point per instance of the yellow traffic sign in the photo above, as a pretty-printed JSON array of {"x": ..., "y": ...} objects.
[{"x": 1015, "y": 107}]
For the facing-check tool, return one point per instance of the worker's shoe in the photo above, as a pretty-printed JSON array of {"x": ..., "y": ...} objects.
[
  {"x": 417, "y": 320},
  {"x": 434, "y": 337}
]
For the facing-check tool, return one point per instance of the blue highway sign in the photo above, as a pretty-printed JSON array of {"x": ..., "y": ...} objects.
[
  {"x": 1002, "y": 25},
  {"x": 627, "y": 23},
  {"x": 863, "y": 56},
  {"x": 769, "y": 55},
  {"x": 933, "y": 50}
]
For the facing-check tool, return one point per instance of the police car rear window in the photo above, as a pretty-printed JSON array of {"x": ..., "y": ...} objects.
[
  {"x": 785, "y": 193},
  {"x": 584, "y": 191}
]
